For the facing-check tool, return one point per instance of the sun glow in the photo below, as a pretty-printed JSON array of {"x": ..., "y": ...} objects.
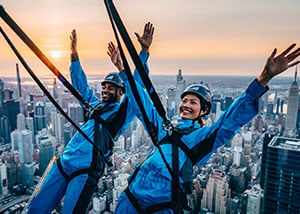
[{"x": 55, "y": 54}]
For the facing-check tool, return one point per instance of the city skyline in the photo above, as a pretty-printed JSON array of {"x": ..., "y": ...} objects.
[{"x": 201, "y": 38}]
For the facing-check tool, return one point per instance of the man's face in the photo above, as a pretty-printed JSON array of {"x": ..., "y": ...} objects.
[{"x": 111, "y": 93}]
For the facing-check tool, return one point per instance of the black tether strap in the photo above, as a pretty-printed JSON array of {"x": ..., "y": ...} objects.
[
  {"x": 46, "y": 92},
  {"x": 13, "y": 25},
  {"x": 150, "y": 126},
  {"x": 135, "y": 58},
  {"x": 115, "y": 19}
]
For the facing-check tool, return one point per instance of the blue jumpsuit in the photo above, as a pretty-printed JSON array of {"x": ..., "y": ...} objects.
[
  {"x": 152, "y": 183},
  {"x": 79, "y": 154}
]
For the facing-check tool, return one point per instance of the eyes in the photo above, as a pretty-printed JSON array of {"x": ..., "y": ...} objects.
[
  {"x": 191, "y": 101},
  {"x": 110, "y": 87}
]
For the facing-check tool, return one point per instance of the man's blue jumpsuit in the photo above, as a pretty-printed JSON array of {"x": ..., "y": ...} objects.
[
  {"x": 79, "y": 154},
  {"x": 152, "y": 183}
]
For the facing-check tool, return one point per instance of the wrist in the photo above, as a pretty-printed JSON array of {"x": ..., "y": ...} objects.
[
  {"x": 264, "y": 78},
  {"x": 74, "y": 56},
  {"x": 145, "y": 49}
]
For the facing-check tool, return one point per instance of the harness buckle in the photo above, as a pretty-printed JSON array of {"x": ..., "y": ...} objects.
[{"x": 168, "y": 127}]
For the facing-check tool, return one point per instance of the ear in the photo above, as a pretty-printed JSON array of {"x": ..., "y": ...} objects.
[
  {"x": 120, "y": 92},
  {"x": 202, "y": 113}
]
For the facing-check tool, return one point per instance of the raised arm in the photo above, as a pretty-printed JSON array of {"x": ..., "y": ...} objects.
[
  {"x": 145, "y": 41},
  {"x": 246, "y": 106},
  {"x": 78, "y": 77},
  {"x": 278, "y": 64}
]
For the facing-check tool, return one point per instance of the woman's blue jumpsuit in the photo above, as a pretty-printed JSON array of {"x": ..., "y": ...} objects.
[
  {"x": 152, "y": 183},
  {"x": 78, "y": 155}
]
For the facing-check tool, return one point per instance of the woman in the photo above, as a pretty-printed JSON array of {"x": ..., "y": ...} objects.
[{"x": 150, "y": 186}]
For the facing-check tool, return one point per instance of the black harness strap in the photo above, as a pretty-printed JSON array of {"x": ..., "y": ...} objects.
[
  {"x": 175, "y": 180},
  {"x": 62, "y": 170}
]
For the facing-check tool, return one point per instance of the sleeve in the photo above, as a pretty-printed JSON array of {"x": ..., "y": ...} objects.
[
  {"x": 144, "y": 58},
  {"x": 240, "y": 112},
  {"x": 150, "y": 110},
  {"x": 79, "y": 82},
  {"x": 130, "y": 108}
]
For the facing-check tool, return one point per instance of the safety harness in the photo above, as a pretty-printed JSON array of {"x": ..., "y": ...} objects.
[
  {"x": 179, "y": 200},
  {"x": 87, "y": 107},
  {"x": 103, "y": 138}
]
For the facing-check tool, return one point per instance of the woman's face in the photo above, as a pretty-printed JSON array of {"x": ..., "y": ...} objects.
[{"x": 189, "y": 107}]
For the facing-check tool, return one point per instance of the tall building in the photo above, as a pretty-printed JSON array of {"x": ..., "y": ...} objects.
[
  {"x": 292, "y": 110},
  {"x": 39, "y": 116},
  {"x": 254, "y": 201},
  {"x": 55, "y": 92},
  {"x": 247, "y": 148},
  {"x": 266, "y": 140},
  {"x": 171, "y": 106},
  {"x": 45, "y": 154},
  {"x": 1, "y": 93},
  {"x": 25, "y": 146},
  {"x": 4, "y": 129},
  {"x": 14, "y": 136},
  {"x": 29, "y": 124},
  {"x": 75, "y": 112},
  {"x": 3, "y": 179},
  {"x": 21, "y": 122},
  {"x": 216, "y": 197},
  {"x": 180, "y": 86},
  {"x": 282, "y": 179},
  {"x": 12, "y": 109}
]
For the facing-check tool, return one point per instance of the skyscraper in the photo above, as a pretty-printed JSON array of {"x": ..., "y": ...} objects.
[
  {"x": 25, "y": 146},
  {"x": 3, "y": 179},
  {"x": 55, "y": 92},
  {"x": 21, "y": 122},
  {"x": 39, "y": 116},
  {"x": 75, "y": 112},
  {"x": 216, "y": 196},
  {"x": 45, "y": 155},
  {"x": 290, "y": 123},
  {"x": 180, "y": 86},
  {"x": 282, "y": 179},
  {"x": 255, "y": 196},
  {"x": 19, "y": 80},
  {"x": 1, "y": 92}
]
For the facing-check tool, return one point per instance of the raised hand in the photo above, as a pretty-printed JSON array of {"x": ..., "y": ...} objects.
[
  {"x": 115, "y": 57},
  {"x": 73, "y": 38},
  {"x": 278, "y": 64},
  {"x": 146, "y": 39}
]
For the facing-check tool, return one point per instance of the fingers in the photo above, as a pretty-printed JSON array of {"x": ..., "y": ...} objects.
[
  {"x": 149, "y": 29},
  {"x": 288, "y": 49},
  {"x": 273, "y": 53},
  {"x": 137, "y": 36},
  {"x": 293, "y": 64},
  {"x": 293, "y": 55}
]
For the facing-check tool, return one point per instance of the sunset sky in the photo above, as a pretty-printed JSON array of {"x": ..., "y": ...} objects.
[{"x": 214, "y": 37}]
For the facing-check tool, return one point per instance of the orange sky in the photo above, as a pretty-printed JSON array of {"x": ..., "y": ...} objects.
[{"x": 200, "y": 37}]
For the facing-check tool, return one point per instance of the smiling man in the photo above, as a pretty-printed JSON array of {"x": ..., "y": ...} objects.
[{"x": 76, "y": 173}]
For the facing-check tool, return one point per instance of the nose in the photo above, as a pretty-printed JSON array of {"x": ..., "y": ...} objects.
[{"x": 186, "y": 104}]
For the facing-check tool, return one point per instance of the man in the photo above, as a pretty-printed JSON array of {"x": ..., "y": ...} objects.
[{"x": 76, "y": 173}]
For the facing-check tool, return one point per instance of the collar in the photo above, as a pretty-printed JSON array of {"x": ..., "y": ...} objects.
[{"x": 185, "y": 123}]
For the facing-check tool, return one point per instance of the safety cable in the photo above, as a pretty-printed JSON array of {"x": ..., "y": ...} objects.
[
  {"x": 46, "y": 92},
  {"x": 116, "y": 20},
  {"x": 135, "y": 58},
  {"x": 13, "y": 25}
]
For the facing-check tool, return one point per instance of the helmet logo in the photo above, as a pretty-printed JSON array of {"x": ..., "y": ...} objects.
[{"x": 110, "y": 77}]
